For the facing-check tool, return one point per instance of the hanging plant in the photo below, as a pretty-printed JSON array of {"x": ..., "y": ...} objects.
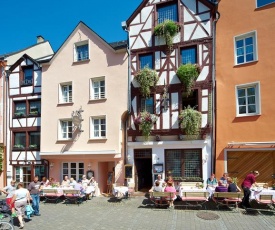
[
  {"x": 188, "y": 73},
  {"x": 146, "y": 77},
  {"x": 145, "y": 120},
  {"x": 168, "y": 30},
  {"x": 190, "y": 121}
]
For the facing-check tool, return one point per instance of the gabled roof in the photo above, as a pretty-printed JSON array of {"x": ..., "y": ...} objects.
[
  {"x": 144, "y": 2},
  {"x": 25, "y": 56},
  {"x": 114, "y": 46}
]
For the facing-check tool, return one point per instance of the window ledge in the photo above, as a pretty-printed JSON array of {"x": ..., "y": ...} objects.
[
  {"x": 81, "y": 61},
  {"x": 98, "y": 100},
  {"x": 98, "y": 139},
  {"x": 248, "y": 115},
  {"x": 65, "y": 103}
]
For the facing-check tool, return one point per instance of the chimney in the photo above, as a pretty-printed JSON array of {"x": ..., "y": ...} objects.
[{"x": 39, "y": 39}]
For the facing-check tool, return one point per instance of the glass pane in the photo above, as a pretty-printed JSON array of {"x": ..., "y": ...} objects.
[
  {"x": 242, "y": 109},
  {"x": 240, "y": 59},
  {"x": 146, "y": 60},
  {"x": 19, "y": 140},
  {"x": 240, "y": 51},
  {"x": 241, "y": 92},
  {"x": 250, "y": 91},
  {"x": 65, "y": 171},
  {"x": 167, "y": 12},
  {"x": 81, "y": 165},
  {"x": 249, "y": 49},
  {"x": 35, "y": 107},
  {"x": 242, "y": 101},
  {"x": 252, "y": 109},
  {"x": 34, "y": 140},
  {"x": 188, "y": 56},
  {"x": 65, "y": 165},
  {"x": 251, "y": 100},
  {"x": 81, "y": 172},
  {"x": 20, "y": 109},
  {"x": 73, "y": 165},
  {"x": 248, "y": 41},
  {"x": 249, "y": 57},
  {"x": 239, "y": 43},
  {"x": 73, "y": 171}
]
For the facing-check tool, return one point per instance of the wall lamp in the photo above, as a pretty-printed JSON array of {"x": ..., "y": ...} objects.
[
  {"x": 51, "y": 165},
  {"x": 205, "y": 159}
]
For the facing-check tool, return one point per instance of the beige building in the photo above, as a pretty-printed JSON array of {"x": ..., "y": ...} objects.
[{"x": 83, "y": 105}]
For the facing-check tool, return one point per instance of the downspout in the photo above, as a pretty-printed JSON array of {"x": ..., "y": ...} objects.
[{"x": 213, "y": 133}]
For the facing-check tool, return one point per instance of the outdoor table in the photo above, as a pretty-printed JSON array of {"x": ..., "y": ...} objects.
[
  {"x": 256, "y": 192},
  {"x": 209, "y": 190}
]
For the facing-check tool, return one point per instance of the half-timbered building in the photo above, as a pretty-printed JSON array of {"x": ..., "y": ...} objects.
[{"x": 168, "y": 150}]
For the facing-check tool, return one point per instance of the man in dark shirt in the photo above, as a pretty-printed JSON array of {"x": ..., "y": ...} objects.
[
  {"x": 34, "y": 188},
  {"x": 249, "y": 180}
]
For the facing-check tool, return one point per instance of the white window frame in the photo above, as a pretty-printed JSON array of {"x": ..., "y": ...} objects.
[
  {"x": 61, "y": 96},
  {"x": 271, "y": 1},
  {"x": 69, "y": 174},
  {"x": 252, "y": 34},
  {"x": 61, "y": 131},
  {"x": 99, "y": 95},
  {"x": 257, "y": 99},
  {"x": 92, "y": 129},
  {"x": 77, "y": 44}
]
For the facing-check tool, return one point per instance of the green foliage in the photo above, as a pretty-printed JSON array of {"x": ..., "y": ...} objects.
[
  {"x": 190, "y": 121},
  {"x": 145, "y": 120},
  {"x": 33, "y": 146},
  {"x": 235, "y": 180},
  {"x": 1, "y": 157},
  {"x": 18, "y": 146},
  {"x": 146, "y": 77},
  {"x": 188, "y": 73},
  {"x": 168, "y": 30}
]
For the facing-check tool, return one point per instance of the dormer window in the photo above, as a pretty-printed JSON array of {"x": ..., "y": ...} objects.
[
  {"x": 81, "y": 51},
  {"x": 167, "y": 12},
  {"x": 27, "y": 76}
]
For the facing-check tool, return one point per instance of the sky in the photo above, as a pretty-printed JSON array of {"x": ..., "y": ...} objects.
[{"x": 23, "y": 21}]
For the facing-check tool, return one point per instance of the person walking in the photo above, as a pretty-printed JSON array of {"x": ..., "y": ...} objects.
[
  {"x": 20, "y": 199},
  {"x": 249, "y": 180},
  {"x": 34, "y": 188},
  {"x": 9, "y": 191}
]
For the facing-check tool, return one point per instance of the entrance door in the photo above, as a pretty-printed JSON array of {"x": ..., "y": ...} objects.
[
  {"x": 23, "y": 174},
  {"x": 143, "y": 164}
]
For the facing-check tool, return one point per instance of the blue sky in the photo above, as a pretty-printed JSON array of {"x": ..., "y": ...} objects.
[{"x": 22, "y": 21}]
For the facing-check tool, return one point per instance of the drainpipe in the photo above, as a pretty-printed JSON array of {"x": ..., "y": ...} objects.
[
  {"x": 124, "y": 27},
  {"x": 213, "y": 133}
]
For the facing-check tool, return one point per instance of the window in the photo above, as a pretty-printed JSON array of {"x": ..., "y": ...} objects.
[
  {"x": 27, "y": 76},
  {"x": 98, "y": 127},
  {"x": 191, "y": 100},
  {"x": 66, "y": 129},
  {"x": 183, "y": 162},
  {"x": 248, "y": 102},
  {"x": 81, "y": 51},
  {"x": 147, "y": 104},
  {"x": 35, "y": 108},
  {"x": 167, "y": 12},
  {"x": 20, "y": 109},
  {"x": 245, "y": 48},
  {"x": 73, "y": 169},
  {"x": 98, "y": 88},
  {"x": 19, "y": 140},
  {"x": 189, "y": 55},
  {"x": 261, "y": 3},
  {"x": 146, "y": 60},
  {"x": 34, "y": 140},
  {"x": 66, "y": 93}
]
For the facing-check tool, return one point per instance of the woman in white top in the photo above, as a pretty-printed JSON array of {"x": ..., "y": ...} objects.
[{"x": 20, "y": 198}]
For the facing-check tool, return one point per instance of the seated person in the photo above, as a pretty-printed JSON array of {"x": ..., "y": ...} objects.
[
  {"x": 79, "y": 186},
  {"x": 45, "y": 182},
  {"x": 232, "y": 187},
  {"x": 160, "y": 180},
  {"x": 221, "y": 187},
  {"x": 91, "y": 187},
  {"x": 170, "y": 188},
  {"x": 72, "y": 182},
  {"x": 65, "y": 182},
  {"x": 224, "y": 179},
  {"x": 211, "y": 181},
  {"x": 157, "y": 188}
]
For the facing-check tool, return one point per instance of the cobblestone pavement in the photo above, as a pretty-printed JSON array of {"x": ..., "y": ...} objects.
[{"x": 134, "y": 214}]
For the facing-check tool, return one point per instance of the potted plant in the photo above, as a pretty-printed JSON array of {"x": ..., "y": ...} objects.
[
  {"x": 19, "y": 114},
  {"x": 190, "y": 121},
  {"x": 145, "y": 120},
  {"x": 146, "y": 77},
  {"x": 168, "y": 30},
  {"x": 33, "y": 113},
  {"x": 187, "y": 74},
  {"x": 34, "y": 146},
  {"x": 18, "y": 146}
]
